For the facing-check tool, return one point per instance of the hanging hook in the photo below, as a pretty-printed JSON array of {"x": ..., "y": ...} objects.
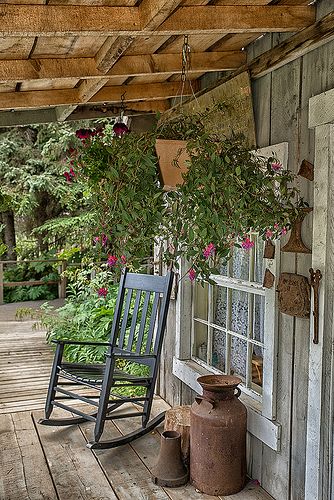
[{"x": 122, "y": 106}]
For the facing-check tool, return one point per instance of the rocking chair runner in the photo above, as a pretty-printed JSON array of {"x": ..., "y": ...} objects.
[{"x": 136, "y": 337}]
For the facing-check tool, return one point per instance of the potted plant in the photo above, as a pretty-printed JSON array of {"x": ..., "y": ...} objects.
[
  {"x": 172, "y": 136},
  {"x": 228, "y": 192},
  {"x": 121, "y": 173}
]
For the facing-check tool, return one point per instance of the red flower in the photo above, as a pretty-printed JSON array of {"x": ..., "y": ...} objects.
[
  {"x": 192, "y": 274},
  {"x": 123, "y": 259},
  {"x": 68, "y": 176},
  {"x": 102, "y": 292},
  {"x": 112, "y": 260},
  {"x": 120, "y": 129}
]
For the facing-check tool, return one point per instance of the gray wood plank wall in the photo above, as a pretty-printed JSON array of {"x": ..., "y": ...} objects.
[{"x": 280, "y": 102}]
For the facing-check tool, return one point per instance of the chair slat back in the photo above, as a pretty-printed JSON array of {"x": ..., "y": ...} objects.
[{"x": 141, "y": 312}]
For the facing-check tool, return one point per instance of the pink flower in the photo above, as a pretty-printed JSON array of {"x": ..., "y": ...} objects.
[
  {"x": 102, "y": 292},
  {"x": 284, "y": 231},
  {"x": 276, "y": 225},
  {"x": 276, "y": 166},
  {"x": 269, "y": 234},
  {"x": 104, "y": 239},
  {"x": 96, "y": 239},
  {"x": 209, "y": 250},
  {"x": 112, "y": 260},
  {"x": 192, "y": 274},
  {"x": 123, "y": 259},
  {"x": 247, "y": 244}
]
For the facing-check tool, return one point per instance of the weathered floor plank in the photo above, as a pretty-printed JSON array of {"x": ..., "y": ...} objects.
[
  {"x": 53, "y": 463},
  {"x": 24, "y": 472},
  {"x": 76, "y": 472}
]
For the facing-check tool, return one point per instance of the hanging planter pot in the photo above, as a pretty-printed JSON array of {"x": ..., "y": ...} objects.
[{"x": 173, "y": 158}]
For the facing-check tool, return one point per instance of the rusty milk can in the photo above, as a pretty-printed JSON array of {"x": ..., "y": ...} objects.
[{"x": 218, "y": 422}]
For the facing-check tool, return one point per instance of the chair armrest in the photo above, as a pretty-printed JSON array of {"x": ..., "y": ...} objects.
[{"x": 79, "y": 342}]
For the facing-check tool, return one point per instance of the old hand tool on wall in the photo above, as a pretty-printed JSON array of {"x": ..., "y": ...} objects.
[{"x": 315, "y": 277}]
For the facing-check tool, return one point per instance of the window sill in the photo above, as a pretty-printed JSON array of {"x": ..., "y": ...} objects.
[{"x": 259, "y": 426}]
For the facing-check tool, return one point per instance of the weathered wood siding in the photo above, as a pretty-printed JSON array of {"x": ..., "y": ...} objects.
[{"x": 280, "y": 102}]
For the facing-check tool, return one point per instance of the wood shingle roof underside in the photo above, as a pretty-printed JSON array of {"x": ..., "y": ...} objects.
[{"x": 68, "y": 57}]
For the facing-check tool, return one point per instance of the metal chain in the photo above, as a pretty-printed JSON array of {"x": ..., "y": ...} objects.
[{"x": 185, "y": 58}]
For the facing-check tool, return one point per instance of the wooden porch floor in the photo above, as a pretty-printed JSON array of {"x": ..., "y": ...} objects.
[{"x": 53, "y": 463}]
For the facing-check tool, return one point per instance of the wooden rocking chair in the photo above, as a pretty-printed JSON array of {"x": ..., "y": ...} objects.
[{"x": 136, "y": 337}]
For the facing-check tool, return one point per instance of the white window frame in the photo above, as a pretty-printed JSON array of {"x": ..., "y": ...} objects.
[{"x": 261, "y": 411}]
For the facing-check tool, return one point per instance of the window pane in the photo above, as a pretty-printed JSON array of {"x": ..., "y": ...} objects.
[
  {"x": 219, "y": 305},
  {"x": 201, "y": 301},
  {"x": 259, "y": 305},
  {"x": 238, "y": 357},
  {"x": 240, "y": 264},
  {"x": 239, "y": 320},
  {"x": 200, "y": 341},
  {"x": 257, "y": 366},
  {"x": 219, "y": 349}
]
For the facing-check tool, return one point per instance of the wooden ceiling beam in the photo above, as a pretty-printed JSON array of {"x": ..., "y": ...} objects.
[
  {"x": 47, "y": 98},
  {"x": 238, "y": 19},
  {"x": 139, "y": 92},
  {"x": 60, "y": 20},
  {"x": 151, "y": 13},
  {"x": 154, "y": 12},
  {"x": 86, "y": 68},
  {"x": 296, "y": 46}
]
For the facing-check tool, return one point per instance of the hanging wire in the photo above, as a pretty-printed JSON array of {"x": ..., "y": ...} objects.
[{"x": 185, "y": 68}]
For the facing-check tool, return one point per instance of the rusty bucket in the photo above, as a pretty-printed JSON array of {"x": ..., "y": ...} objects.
[{"x": 218, "y": 437}]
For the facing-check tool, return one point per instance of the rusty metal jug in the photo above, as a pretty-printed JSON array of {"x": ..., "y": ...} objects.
[{"x": 218, "y": 423}]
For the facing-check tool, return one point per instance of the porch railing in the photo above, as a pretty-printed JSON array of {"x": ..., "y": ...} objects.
[{"x": 62, "y": 265}]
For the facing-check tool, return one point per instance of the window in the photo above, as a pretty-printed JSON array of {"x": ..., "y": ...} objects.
[
  {"x": 231, "y": 327},
  {"x": 228, "y": 319}
]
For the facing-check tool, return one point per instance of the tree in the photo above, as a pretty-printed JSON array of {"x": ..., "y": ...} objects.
[{"x": 33, "y": 187}]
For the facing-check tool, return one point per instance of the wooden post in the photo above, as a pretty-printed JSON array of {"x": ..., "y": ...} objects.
[
  {"x": 1, "y": 282},
  {"x": 63, "y": 280},
  {"x": 178, "y": 419}
]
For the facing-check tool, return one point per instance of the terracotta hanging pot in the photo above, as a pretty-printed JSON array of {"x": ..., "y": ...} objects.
[{"x": 168, "y": 151}]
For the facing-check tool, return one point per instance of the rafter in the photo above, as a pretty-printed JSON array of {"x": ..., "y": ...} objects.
[
  {"x": 82, "y": 68},
  {"x": 151, "y": 13},
  {"x": 50, "y": 20},
  {"x": 151, "y": 92}
]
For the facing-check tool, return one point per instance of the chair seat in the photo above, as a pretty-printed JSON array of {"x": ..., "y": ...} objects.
[{"x": 94, "y": 374}]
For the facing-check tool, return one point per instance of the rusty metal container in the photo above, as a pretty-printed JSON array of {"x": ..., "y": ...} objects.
[{"x": 218, "y": 422}]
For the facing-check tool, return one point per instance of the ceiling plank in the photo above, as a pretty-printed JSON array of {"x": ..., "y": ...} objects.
[
  {"x": 49, "y": 115},
  {"x": 153, "y": 12},
  {"x": 171, "y": 63},
  {"x": 108, "y": 54},
  {"x": 239, "y": 19},
  {"x": 145, "y": 91},
  {"x": 111, "y": 51},
  {"x": 47, "y": 98},
  {"x": 49, "y": 20},
  {"x": 294, "y": 47},
  {"x": 86, "y": 68},
  {"x": 151, "y": 15}
]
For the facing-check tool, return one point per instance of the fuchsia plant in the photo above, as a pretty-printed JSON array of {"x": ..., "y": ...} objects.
[{"x": 228, "y": 193}]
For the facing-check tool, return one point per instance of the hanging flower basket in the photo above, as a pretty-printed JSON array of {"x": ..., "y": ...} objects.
[{"x": 173, "y": 158}]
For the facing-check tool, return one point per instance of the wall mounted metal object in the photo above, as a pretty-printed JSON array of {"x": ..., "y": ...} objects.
[
  {"x": 315, "y": 277},
  {"x": 294, "y": 295}
]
